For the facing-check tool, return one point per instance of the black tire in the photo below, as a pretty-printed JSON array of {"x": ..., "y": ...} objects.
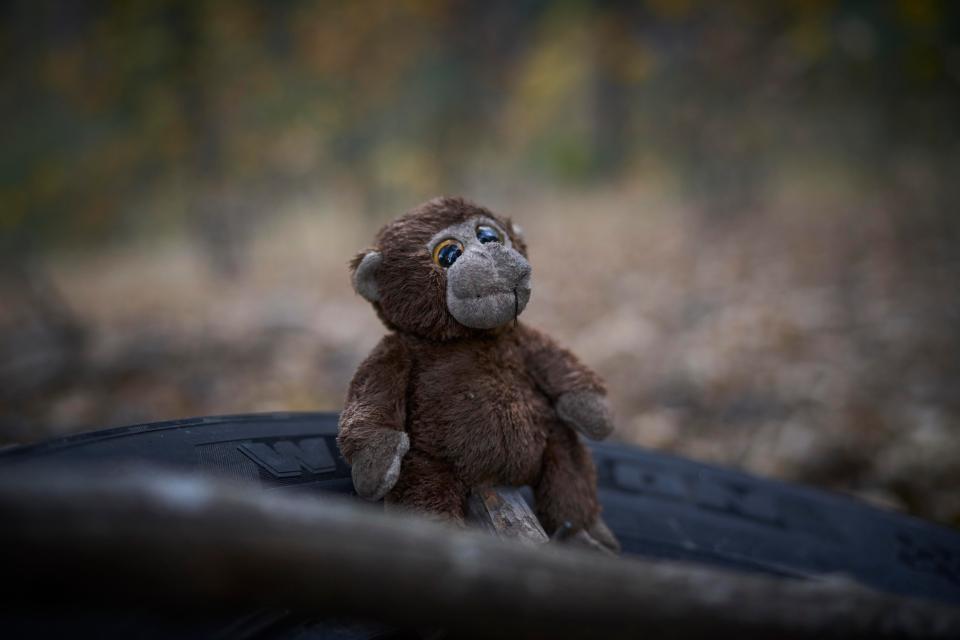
[{"x": 659, "y": 506}]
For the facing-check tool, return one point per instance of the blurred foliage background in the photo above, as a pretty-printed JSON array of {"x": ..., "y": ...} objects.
[{"x": 743, "y": 214}]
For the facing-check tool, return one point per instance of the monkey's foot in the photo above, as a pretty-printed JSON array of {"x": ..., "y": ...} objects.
[
  {"x": 587, "y": 412},
  {"x": 602, "y": 534},
  {"x": 597, "y": 537}
]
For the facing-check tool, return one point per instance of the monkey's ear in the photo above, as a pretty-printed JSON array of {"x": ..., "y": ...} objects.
[
  {"x": 364, "y": 277},
  {"x": 516, "y": 230}
]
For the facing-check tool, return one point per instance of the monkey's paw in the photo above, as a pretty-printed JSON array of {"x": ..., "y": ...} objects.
[
  {"x": 376, "y": 466},
  {"x": 587, "y": 412},
  {"x": 596, "y": 537}
]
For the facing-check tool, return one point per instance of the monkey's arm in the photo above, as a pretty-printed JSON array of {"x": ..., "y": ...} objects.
[
  {"x": 371, "y": 435},
  {"x": 577, "y": 392}
]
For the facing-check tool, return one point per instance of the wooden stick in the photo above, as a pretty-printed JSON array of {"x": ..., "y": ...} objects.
[
  {"x": 156, "y": 537},
  {"x": 504, "y": 512}
]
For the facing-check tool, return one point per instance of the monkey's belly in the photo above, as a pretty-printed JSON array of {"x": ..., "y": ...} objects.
[{"x": 490, "y": 427}]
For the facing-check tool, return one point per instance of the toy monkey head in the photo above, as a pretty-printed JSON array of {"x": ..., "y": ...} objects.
[{"x": 446, "y": 269}]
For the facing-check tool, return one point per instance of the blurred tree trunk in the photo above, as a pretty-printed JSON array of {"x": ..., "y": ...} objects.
[
  {"x": 215, "y": 210},
  {"x": 611, "y": 99},
  {"x": 159, "y": 539}
]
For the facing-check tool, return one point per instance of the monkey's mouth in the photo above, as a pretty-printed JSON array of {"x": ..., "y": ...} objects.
[{"x": 491, "y": 310}]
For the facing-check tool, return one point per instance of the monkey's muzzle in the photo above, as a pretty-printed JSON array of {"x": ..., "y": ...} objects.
[{"x": 488, "y": 286}]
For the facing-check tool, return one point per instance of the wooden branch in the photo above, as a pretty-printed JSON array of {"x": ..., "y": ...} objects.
[
  {"x": 158, "y": 537},
  {"x": 504, "y": 512}
]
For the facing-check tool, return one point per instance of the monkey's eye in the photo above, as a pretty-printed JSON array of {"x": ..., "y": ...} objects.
[
  {"x": 447, "y": 252},
  {"x": 486, "y": 233}
]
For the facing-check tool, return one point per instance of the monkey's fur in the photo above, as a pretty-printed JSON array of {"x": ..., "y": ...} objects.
[{"x": 459, "y": 394}]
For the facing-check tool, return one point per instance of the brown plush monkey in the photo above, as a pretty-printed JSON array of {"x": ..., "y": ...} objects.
[{"x": 459, "y": 394}]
